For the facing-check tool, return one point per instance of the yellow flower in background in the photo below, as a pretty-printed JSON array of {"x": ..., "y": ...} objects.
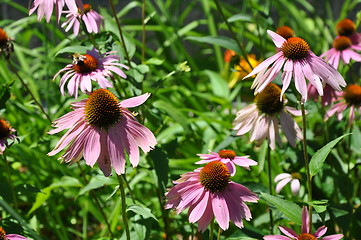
[{"x": 242, "y": 69}]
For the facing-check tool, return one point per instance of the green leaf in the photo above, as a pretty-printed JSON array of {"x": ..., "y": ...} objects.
[
  {"x": 225, "y": 42},
  {"x": 4, "y": 94},
  {"x": 219, "y": 85},
  {"x": 42, "y": 196},
  {"x": 97, "y": 182},
  {"x": 173, "y": 112},
  {"x": 154, "y": 61},
  {"x": 142, "y": 211},
  {"x": 319, "y": 206},
  {"x": 240, "y": 17},
  {"x": 289, "y": 209},
  {"x": 319, "y": 157},
  {"x": 73, "y": 49}
]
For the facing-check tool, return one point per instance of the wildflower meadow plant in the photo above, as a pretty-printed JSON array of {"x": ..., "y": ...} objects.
[
  {"x": 209, "y": 193},
  {"x": 262, "y": 118},
  {"x": 89, "y": 67},
  {"x": 229, "y": 158},
  {"x": 101, "y": 130},
  {"x": 178, "y": 120},
  {"x": 298, "y": 61}
]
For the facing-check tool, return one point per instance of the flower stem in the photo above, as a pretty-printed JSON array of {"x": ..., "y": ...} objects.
[
  {"x": 211, "y": 230},
  {"x": 97, "y": 202},
  {"x": 120, "y": 31},
  {"x": 90, "y": 36},
  {"x": 143, "y": 31},
  {"x": 307, "y": 162},
  {"x": 13, "y": 69},
  {"x": 219, "y": 233},
  {"x": 233, "y": 34},
  {"x": 10, "y": 182},
  {"x": 124, "y": 210},
  {"x": 270, "y": 187}
]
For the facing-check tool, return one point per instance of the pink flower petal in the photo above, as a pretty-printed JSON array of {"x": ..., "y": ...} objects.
[
  {"x": 134, "y": 101},
  {"x": 277, "y": 39},
  {"x": 220, "y": 210},
  {"x": 289, "y": 232}
]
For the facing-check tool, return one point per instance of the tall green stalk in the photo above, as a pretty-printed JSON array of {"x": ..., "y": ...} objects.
[
  {"x": 124, "y": 206},
  {"x": 10, "y": 181},
  {"x": 307, "y": 161},
  {"x": 270, "y": 187}
]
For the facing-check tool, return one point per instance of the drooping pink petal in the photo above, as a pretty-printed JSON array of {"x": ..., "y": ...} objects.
[
  {"x": 220, "y": 210},
  {"x": 276, "y": 237},
  {"x": 295, "y": 186},
  {"x": 281, "y": 176},
  {"x": 281, "y": 184}
]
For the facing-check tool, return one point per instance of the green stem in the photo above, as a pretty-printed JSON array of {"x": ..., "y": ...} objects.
[
  {"x": 120, "y": 30},
  {"x": 97, "y": 202},
  {"x": 211, "y": 230},
  {"x": 233, "y": 34},
  {"x": 10, "y": 182},
  {"x": 13, "y": 69},
  {"x": 90, "y": 36},
  {"x": 270, "y": 187},
  {"x": 307, "y": 162},
  {"x": 219, "y": 233},
  {"x": 213, "y": 32},
  {"x": 124, "y": 210},
  {"x": 349, "y": 152},
  {"x": 143, "y": 31}
]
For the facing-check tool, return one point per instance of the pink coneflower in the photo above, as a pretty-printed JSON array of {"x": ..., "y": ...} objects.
[
  {"x": 347, "y": 28},
  {"x": 263, "y": 117},
  {"x": 298, "y": 61},
  {"x": 208, "y": 192},
  {"x": 92, "y": 20},
  {"x": 102, "y": 129},
  {"x": 305, "y": 231},
  {"x": 342, "y": 48},
  {"x": 329, "y": 94},
  {"x": 350, "y": 99},
  {"x": 88, "y": 67},
  {"x": 3, "y": 236},
  {"x": 284, "y": 178},
  {"x": 45, "y": 7},
  {"x": 229, "y": 158},
  {"x": 6, "y": 132}
]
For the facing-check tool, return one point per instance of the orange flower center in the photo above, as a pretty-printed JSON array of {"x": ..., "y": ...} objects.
[
  {"x": 84, "y": 63},
  {"x": 285, "y": 32},
  {"x": 295, "y": 48},
  {"x": 102, "y": 109},
  {"x": 87, "y": 8},
  {"x": 214, "y": 176},
  {"x": 352, "y": 94},
  {"x": 296, "y": 175},
  {"x": 229, "y": 154},
  {"x": 5, "y": 129},
  {"x": 341, "y": 43},
  {"x": 3, "y": 38},
  {"x": 346, "y": 27},
  {"x": 268, "y": 101},
  {"x": 306, "y": 236},
  {"x": 2, "y": 234}
]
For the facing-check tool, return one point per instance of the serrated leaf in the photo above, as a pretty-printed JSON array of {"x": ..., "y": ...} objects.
[
  {"x": 320, "y": 156},
  {"x": 225, "y": 42},
  {"x": 142, "y": 211},
  {"x": 73, "y": 49},
  {"x": 289, "y": 209}
]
